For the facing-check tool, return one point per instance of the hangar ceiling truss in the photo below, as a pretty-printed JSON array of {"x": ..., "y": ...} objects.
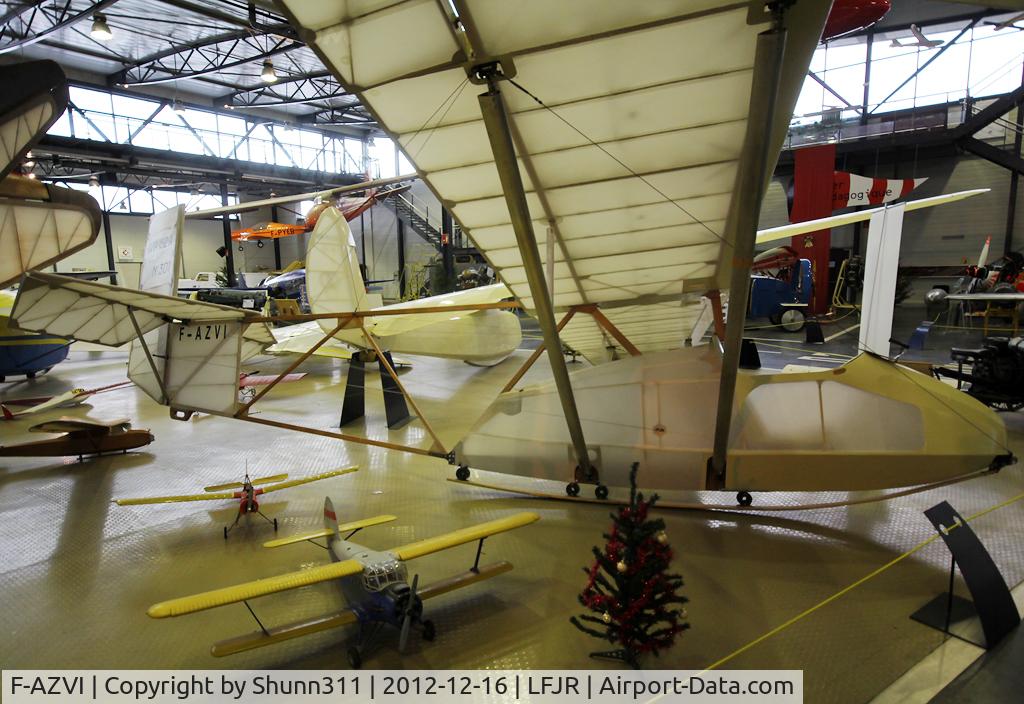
[{"x": 28, "y": 22}]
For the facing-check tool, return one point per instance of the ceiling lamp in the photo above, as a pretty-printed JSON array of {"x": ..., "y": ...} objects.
[
  {"x": 178, "y": 106},
  {"x": 94, "y": 182},
  {"x": 269, "y": 75},
  {"x": 100, "y": 31}
]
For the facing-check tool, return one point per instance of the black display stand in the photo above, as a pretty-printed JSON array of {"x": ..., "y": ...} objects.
[
  {"x": 813, "y": 334},
  {"x": 354, "y": 404},
  {"x": 992, "y": 606},
  {"x": 749, "y": 358}
]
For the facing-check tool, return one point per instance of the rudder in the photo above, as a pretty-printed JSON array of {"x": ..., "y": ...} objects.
[{"x": 330, "y": 517}]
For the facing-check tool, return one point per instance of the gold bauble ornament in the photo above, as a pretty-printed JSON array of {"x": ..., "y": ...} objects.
[
  {"x": 622, "y": 566},
  {"x": 606, "y": 617},
  {"x": 662, "y": 537}
]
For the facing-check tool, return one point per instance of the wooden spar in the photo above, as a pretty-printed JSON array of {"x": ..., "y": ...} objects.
[
  {"x": 614, "y": 331},
  {"x": 537, "y": 353},
  {"x": 305, "y": 355},
  {"x": 149, "y": 357},
  {"x": 715, "y": 297},
  {"x": 340, "y": 436},
  {"x": 384, "y": 312},
  {"x": 384, "y": 363}
]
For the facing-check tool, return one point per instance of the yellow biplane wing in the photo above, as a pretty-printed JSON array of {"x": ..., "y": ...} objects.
[
  {"x": 239, "y": 485},
  {"x": 251, "y": 590},
  {"x": 174, "y": 499},
  {"x": 327, "y": 532},
  {"x": 312, "y": 478},
  {"x": 463, "y": 535}
]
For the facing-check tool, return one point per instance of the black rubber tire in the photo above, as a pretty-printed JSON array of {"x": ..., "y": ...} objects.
[
  {"x": 775, "y": 319},
  {"x": 744, "y": 498},
  {"x": 355, "y": 659},
  {"x": 275, "y": 525},
  {"x": 601, "y": 492},
  {"x": 429, "y": 632},
  {"x": 462, "y": 473},
  {"x": 572, "y": 489}
]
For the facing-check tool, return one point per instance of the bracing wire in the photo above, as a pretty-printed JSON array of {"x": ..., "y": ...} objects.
[{"x": 622, "y": 164}]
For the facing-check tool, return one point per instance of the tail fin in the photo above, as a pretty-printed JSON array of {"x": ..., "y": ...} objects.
[
  {"x": 7, "y": 414},
  {"x": 330, "y": 517},
  {"x": 334, "y": 283}
]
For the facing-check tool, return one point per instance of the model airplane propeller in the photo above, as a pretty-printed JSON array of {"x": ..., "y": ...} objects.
[
  {"x": 246, "y": 492},
  {"x": 375, "y": 583}
]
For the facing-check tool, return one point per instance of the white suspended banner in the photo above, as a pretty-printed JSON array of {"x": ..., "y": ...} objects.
[
  {"x": 159, "y": 275},
  {"x": 880, "y": 267}
]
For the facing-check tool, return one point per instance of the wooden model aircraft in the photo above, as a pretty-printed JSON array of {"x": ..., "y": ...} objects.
[
  {"x": 81, "y": 436},
  {"x": 375, "y": 583},
  {"x": 919, "y": 40},
  {"x": 246, "y": 492}
]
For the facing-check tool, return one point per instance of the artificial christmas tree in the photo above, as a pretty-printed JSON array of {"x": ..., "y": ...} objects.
[{"x": 629, "y": 586}]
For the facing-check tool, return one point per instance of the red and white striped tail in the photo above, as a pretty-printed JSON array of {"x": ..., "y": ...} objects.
[
  {"x": 850, "y": 189},
  {"x": 330, "y": 517}
]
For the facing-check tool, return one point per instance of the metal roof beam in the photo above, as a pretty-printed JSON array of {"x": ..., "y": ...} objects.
[
  {"x": 35, "y": 20},
  {"x": 309, "y": 88},
  {"x": 206, "y": 56}
]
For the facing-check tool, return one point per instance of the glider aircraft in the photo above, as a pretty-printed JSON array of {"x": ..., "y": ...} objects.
[
  {"x": 74, "y": 397},
  {"x": 246, "y": 492},
  {"x": 645, "y": 209},
  {"x": 80, "y": 436},
  {"x": 375, "y": 584}
]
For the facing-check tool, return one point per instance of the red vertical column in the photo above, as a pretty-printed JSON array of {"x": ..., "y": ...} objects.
[{"x": 812, "y": 199}]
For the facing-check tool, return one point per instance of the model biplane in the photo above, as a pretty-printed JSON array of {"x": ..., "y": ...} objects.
[
  {"x": 374, "y": 582},
  {"x": 246, "y": 492},
  {"x": 82, "y": 437}
]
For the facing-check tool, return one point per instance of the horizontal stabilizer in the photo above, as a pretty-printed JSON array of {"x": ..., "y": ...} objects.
[
  {"x": 801, "y": 228},
  {"x": 305, "y": 627},
  {"x": 251, "y": 590},
  {"x": 299, "y": 538},
  {"x": 463, "y": 535},
  {"x": 366, "y": 522},
  {"x": 96, "y": 312}
]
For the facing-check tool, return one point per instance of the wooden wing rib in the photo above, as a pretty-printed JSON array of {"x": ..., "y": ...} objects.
[
  {"x": 463, "y": 535},
  {"x": 313, "y": 478},
  {"x": 175, "y": 499},
  {"x": 251, "y": 590}
]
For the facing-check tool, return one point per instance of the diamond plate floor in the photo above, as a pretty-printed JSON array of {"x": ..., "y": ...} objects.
[{"x": 77, "y": 572}]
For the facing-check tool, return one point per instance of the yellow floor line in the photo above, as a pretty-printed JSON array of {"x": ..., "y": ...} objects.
[{"x": 807, "y": 612}]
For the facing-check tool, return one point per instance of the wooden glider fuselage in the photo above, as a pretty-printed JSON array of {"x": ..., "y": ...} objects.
[
  {"x": 868, "y": 424},
  {"x": 94, "y": 440}
]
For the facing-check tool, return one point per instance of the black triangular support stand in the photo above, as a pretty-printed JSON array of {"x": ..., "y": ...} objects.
[
  {"x": 749, "y": 358},
  {"x": 354, "y": 405},
  {"x": 813, "y": 333}
]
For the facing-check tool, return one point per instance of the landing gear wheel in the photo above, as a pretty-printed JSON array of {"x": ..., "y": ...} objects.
[
  {"x": 462, "y": 473},
  {"x": 792, "y": 320},
  {"x": 225, "y": 532},
  {"x": 429, "y": 632},
  {"x": 275, "y": 525},
  {"x": 572, "y": 489},
  {"x": 744, "y": 498},
  {"x": 355, "y": 659},
  {"x": 774, "y": 319},
  {"x": 601, "y": 492}
]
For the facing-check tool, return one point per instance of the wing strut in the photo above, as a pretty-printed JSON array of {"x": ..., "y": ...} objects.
[
  {"x": 754, "y": 166},
  {"x": 492, "y": 108}
]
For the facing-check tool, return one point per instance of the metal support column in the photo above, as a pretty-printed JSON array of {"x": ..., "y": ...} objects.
[
  {"x": 277, "y": 241},
  {"x": 446, "y": 249},
  {"x": 401, "y": 257},
  {"x": 750, "y": 188},
  {"x": 496, "y": 122},
  {"x": 867, "y": 80},
  {"x": 110, "y": 245},
  {"x": 226, "y": 224},
  {"x": 1011, "y": 207}
]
